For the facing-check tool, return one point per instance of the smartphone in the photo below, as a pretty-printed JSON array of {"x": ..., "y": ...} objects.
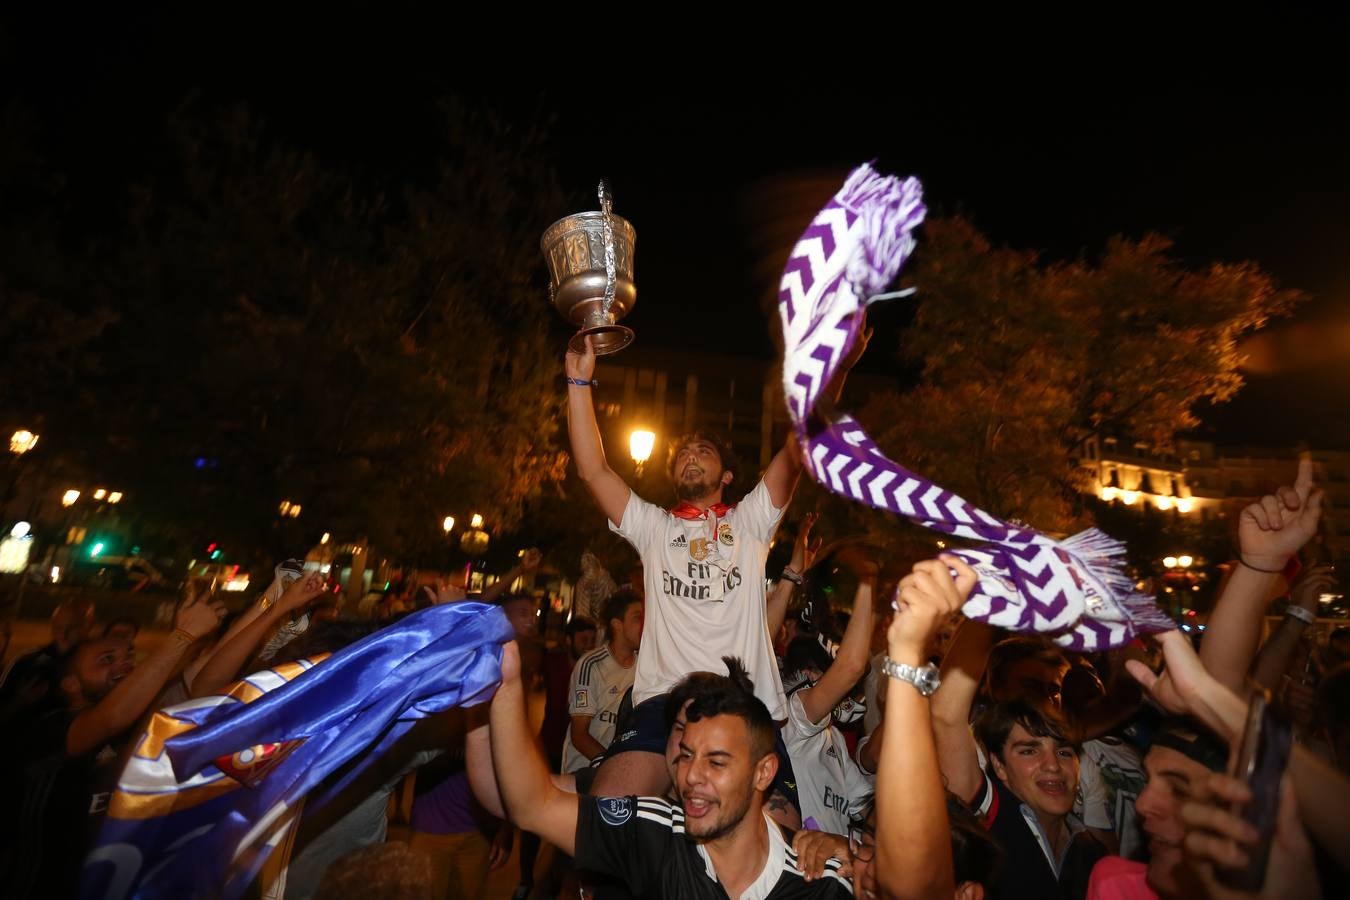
[{"x": 1260, "y": 763}]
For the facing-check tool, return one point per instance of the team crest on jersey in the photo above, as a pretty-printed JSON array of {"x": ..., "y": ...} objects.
[
  {"x": 680, "y": 541},
  {"x": 615, "y": 810},
  {"x": 698, "y": 549},
  {"x": 583, "y": 699},
  {"x": 724, "y": 534}
]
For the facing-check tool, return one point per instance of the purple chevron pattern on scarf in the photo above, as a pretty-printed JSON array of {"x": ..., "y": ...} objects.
[{"x": 1074, "y": 590}]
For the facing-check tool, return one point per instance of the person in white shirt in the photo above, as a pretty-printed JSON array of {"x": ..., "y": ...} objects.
[
  {"x": 831, "y": 788},
  {"x": 599, "y": 681}
]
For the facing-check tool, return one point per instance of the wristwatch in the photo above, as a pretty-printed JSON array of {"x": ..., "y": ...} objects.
[{"x": 924, "y": 678}]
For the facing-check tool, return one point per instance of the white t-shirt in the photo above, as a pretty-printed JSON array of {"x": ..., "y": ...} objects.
[
  {"x": 597, "y": 688},
  {"x": 705, "y": 594},
  {"x": 1120, "y": 771},
  {"x": 830, "y": 786}
]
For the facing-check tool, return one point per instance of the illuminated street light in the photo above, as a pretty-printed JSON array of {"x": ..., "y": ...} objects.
[
  {"x": 115, "y": 497},
  {"x": 476, "y": 521},
  {"x": 284, "y": 508},
  {"x": 640, "y": 444},
  {"x": 295, "y": 511},
  {"x": 1184, "y": 561},
  {"x": 21, "y": 441},
  {"x": 69, "y": 497},
  {"x": 20, "y": 530},
  {"x": 100, "y": 493},
  {"x": 324, "y": 539},
  {"x": 1170, "y": 562},
  {"x": 448, "y": 524}
]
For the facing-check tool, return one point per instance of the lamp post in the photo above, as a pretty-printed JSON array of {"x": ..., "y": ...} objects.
[{"x": 640, "y": 444}]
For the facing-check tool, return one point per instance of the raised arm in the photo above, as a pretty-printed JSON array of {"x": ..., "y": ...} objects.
[
  {"x": 914, "y": 856},
  {"x": 850, "y": 663},
  {"x": 132, "y": 696},
  {"x": 478, "y": 766},
  {"x": 1270, "y": 531},
  {"x": 528, "y": 564},
  {"x": 962, "y": 669},
  {"x": 231, "y": 653},
  {"x": 1273, "y": 660},
  {"x": 528, "y": 794},
  {"x": 588, "y": 451},
  {"x": 803, "y": 554},
  {"x": 1185, "y": 688}
]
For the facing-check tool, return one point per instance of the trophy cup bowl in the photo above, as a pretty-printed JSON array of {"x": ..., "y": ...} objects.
[{"x": 574, "y": 248}]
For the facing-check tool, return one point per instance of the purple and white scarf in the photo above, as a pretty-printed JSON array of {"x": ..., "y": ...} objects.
[{"x": 1074, "y": 590}]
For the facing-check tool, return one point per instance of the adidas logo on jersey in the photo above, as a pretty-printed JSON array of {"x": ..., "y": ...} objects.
[{"x": 679, "y": 542}]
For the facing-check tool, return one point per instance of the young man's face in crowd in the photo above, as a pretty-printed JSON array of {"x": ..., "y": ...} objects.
[
  {"x": 98, "y": 667},
  {"x": 1031, "y": 679},
  {"x": 1173, "y": 778},
  {"x": 630, "y": 626},
  {"x": 1041, "y": 771},
  {"x": 716, "y": 777},
  {"x": 521, "y": 615},
  {"x": 582, "y": 642},
  {"x": 697, "y": 471}
]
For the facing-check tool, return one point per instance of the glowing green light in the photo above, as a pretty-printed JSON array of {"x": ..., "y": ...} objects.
[
  {"x": 96, "y": 550},
  {"x": 215, "y": 554}
]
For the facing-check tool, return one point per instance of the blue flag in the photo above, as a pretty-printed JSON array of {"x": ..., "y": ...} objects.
[{"x": 214, "y": 784}]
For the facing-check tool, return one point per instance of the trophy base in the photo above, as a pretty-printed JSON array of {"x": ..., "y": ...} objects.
[{"x": 605, "y": 339}]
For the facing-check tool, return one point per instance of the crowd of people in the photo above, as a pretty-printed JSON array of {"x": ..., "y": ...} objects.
[{"x": 709, "y": 731}]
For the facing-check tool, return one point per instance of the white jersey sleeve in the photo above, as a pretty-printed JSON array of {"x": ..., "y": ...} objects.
[
  {"x": 756, "y": 513},
  {"x": 643, "y": 524}
]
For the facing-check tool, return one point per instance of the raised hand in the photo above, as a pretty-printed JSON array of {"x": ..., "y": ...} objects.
[
  {"x": 1275, "y": 527},
  {"x": 924, "y": 599},
  {"x": 302, "y": 592},
  {"x": 580, "y": 365},
  {"x": 531, "y": 560},
  {"x": 804, "y": 549},
  {"x": 199, "y": 616}
]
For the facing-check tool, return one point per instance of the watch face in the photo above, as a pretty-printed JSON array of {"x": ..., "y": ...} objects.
[{"x": 927, "y": 679}]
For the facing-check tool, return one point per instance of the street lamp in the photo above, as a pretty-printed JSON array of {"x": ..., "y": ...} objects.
[
  {"x": 21, "y": 441},
  {"x": 115, "y": 497},
  {"x": 1184, "y": 561},
  {"x": 100, "y": 493},
  {"x": 1170, "y": 562},
  {"x": 640, "y": 444},
  {"x": 474, "y": 542},
  {"x": 69, "y": 497},
  {"x": 448, "y": 524}
]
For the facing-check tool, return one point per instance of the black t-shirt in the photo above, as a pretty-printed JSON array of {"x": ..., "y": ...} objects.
[
  {"x": 641, "y": 842},
  {"x": 53, "y": 805}
]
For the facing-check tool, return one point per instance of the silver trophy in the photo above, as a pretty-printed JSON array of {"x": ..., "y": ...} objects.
[{"x": 590, "y": 265}]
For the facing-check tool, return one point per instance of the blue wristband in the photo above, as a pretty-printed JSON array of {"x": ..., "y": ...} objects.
[{"x": 582, "y": 383}]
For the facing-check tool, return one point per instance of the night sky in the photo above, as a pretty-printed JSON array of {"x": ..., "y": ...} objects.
[{"x": 719, "y": 153}]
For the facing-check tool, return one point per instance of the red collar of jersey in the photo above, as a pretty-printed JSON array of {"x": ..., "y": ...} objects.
[{"x": 686, "y": 510}]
